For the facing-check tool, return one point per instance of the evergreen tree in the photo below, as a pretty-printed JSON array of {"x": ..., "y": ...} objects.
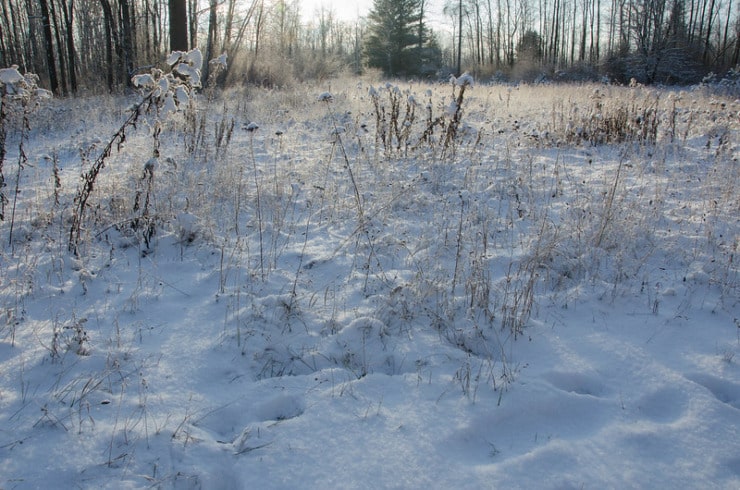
[
  {"x": 397, "y": 39},
  {"x": 529, "y": 47}
]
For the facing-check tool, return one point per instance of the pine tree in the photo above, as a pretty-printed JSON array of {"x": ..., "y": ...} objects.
[{"x": 397, "y": 39}]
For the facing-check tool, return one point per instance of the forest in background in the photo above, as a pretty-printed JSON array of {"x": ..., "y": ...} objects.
[{"x": 96, "y": 45}]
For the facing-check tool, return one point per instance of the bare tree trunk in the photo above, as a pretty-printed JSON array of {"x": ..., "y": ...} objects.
[
  {"x": 49, "y": 45},
  {"x": 707, "y": 39},
  {"x": 3, "y": 48},
  {"x": 489, "y": 30},
  {"x": 233, "y": 46},
  {"x": 68, "y": 10},
  {"x": 325, "y": 23},
  {"x": 736, "y": 54},
  {"x": 147, "y": 39},
  {"x": 60, "y": 49},
  {"x": 15, "y": 25},
  {"x": 573, "y": 33},
  {"x": 127, "y": 41},
  {"x": 193, "y": 22},
  {"x": 584, "y": 27},
  {"x": 598, "y": 30},
  {"x": 459, "y": 38},
  {"x": 111, "y": 35},
  {"x": 555, "y": 40},
  {"x": 358, "y": 48},
  {"x": 593, "y": 42},
  {"x": 228, "y": 25},
  {"x": 159, "y": 25},
  {"x": 258, "y": 24},
  {"x": 421, "y": 26},
  {"x": 156, "y": 28},
  {"x": 701, "y": 14},
  {"x": 9, "y": 55},
  {"x": 565, "y": 25},
  {"x": 724, "y": 48},
  {"x": 178, "y": 25},
  {"x": 212, "y": 40}
]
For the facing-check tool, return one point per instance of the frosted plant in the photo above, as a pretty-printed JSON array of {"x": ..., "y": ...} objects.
[
  {"x": 168, "y": 92},
  {"x": 173, "y": 91},
  {"x": 251, "y": 128},
  {"x": 18, "y": 86},
  {"x": 454, "y": 111},
  {"x": 466, "y": 79},
  {"x": 19, "y": 96}
]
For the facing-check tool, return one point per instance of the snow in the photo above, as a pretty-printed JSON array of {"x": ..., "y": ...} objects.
[
  {"x": 325, "y": 97},
  {"x": 172, "y": 91},
  {"x": 9, "y": 76},
  {"x": 220, "y": 60},
  {"x": 145, "y": 80},
  {"x": 190, "y": 72},
  {"x": 188, "y": 64},
  {"x": 194, "y": 58},
  {"x": 169, "y": 105},
  {"x": 388, "y": 347},
  {"x": 466, "y": 79},
  {"x": 22, "y": 86},
  {"x": 182, "y": 96}
]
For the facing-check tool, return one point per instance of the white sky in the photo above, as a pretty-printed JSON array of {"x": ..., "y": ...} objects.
[
  {"x": 350, "y": 10},
  {"x": 344, "y": 9}
]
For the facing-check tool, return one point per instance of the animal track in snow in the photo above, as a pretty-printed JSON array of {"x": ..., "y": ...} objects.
[
  {"x": 281, "y": 407},
  {"x": 663, "y": 405},
  {"x": 725, "y": 391},
  {"x": 578, "y": 383}
]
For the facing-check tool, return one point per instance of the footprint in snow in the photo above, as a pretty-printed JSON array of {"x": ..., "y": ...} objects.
[
  {"x": 663, "y": 405},
  {"x": 578, "y": 383},
  {"x": 725, "y": 391},
  {"x": 280, "y": 407}
]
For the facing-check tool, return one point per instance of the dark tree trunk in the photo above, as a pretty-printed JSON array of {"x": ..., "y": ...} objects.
[
  {"x": 60, "y": 49},
  {"x": 49, "y": 45},
  {"x": 68, "y": 10},
  {"x": 127, "y": 40},
  {"x": 193, "y": 22},
  {"x": 459, "y": 38},
  {"x": 110, "y": 36},
  {"x": 211, "y": 47},
  {"x": 178, "y": 25}
]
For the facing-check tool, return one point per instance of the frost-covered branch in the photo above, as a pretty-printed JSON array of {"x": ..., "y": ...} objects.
[
  {"x": 19, "y": 96},
  {"x": 168, "y": 92}
]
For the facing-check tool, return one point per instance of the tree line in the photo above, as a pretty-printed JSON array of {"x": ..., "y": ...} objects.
[
  {"x": 650, "y": 41},
  {"x": 85, "y": 44}
]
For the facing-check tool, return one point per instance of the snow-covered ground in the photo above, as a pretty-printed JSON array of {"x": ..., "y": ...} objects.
[{"x": 539, "y": 290}]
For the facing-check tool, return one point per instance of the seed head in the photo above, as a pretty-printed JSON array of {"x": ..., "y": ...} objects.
[{"x": 326, "y": 97}]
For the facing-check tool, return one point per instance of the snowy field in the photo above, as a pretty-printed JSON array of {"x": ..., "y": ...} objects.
[{"x": 374, "y": 286}]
